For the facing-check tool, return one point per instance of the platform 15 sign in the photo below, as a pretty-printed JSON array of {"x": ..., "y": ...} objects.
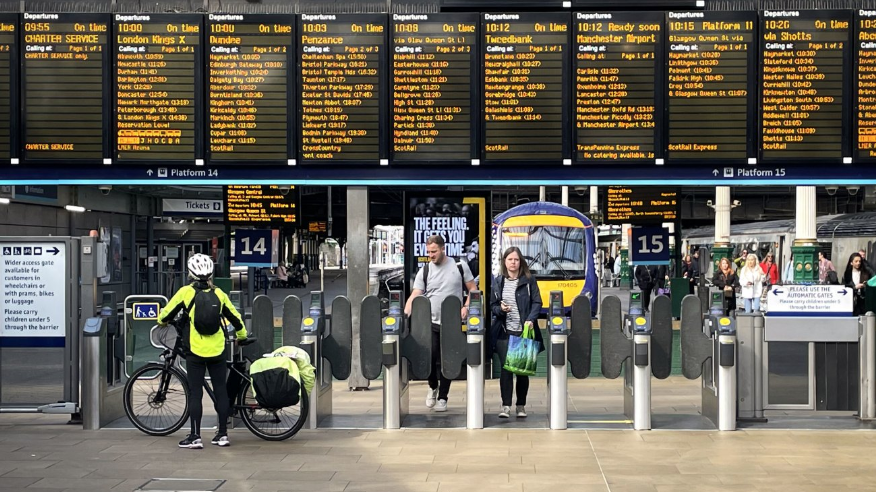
[{"x": 649, "y": 245}]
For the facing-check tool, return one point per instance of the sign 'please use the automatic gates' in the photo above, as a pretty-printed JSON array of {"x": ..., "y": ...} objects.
[{"x": 810, "y": 300}]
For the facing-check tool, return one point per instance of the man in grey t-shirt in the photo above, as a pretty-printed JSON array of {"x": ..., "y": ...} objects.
[{"x": 444, "y": 280}]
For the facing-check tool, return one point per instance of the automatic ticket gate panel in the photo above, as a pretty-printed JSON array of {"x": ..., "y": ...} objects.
[
  {"x": 613, "y": 344},
  {"x": 338, "y": 344},
  {"x": 417, "y": 346},
  {"x": 370, "y": 338},
  {"x": 292, "y": 321},
  {"x": 661, "y": 337},
  {"x": 453, "y": 340},
  {"x": 580, "y": 342},
  {"x": 696, "y": 346},
  {"x": 261, "y": 327}
]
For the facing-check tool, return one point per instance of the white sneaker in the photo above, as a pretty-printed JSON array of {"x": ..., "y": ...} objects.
[
  {"x": 505, "y": 413},
  {"x": 441, "y": 406},
  {"x": 431, "y": 396},
  {"x": 521, "y": 413}
]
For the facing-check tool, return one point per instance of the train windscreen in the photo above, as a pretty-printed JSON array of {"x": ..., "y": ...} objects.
[{"x": 549, "y": 251}]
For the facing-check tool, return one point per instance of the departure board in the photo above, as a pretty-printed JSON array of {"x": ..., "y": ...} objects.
[
  {"x": 434, "y": 63},
  {"x": 619, "y": 86},
  {"x": 802, "y": 89},
  {"x": 65, "y": 73},
  {"x": 712, "y": 67},
  {"x": 158, "y": 88},
  {"x": 342, "y": 88},
  {"x": 250, "y": 62},
  {"x": 865, "y": 86},
  {"x": 525, "y": 68},
  {"x": 641, "y": 205},
  {"x": 8, "y": 87},
  {"x": 261, "y": 204}
]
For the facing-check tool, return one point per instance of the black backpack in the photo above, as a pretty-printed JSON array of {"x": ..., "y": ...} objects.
[
  {"x": 458, "y": 267},
  {"x": 207, "y": 312}
]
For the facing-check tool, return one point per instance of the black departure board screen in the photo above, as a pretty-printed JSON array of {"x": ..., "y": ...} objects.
[
  {"x": 261, "y": 204},
  {"x": 8, "y": 87},
  {"x": 865, "y": 86},
  {"x": 434, "y": 68},
  {"x": 158, "y": 88},
  {"x": 802, "y": 87},
  {"x": 250, "y": 62},
  {"x": 64, "y": 86},
  {"x": 641, "y": 205},
  {"x": 712, "y": 67},
  {"x": 342, "y": 88},
  {"x": 525, "y": 68},
  {"x": 619, "y": 86}
]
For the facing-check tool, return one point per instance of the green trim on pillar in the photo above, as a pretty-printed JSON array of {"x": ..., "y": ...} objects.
[
  {"x": 805, "y": 263},
  {"x": 719, "y": 252},
  {"x": 625, "y": 268}
]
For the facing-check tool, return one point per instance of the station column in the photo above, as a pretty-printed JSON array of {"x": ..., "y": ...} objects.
[
  {"x": 805, "y": 247},
  {"x": 722, "y": 247},
  {"x": 358, "y": 270}
]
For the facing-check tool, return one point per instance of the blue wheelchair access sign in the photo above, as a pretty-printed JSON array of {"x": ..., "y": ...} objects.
[
  {"x": 145, "y": 310},
  {"x": 649, "y": 246}
]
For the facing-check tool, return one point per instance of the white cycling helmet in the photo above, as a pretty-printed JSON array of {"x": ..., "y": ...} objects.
[{"x": 201, "y": 266}]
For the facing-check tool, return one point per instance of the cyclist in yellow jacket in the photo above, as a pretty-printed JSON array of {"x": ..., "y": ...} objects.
[{"x": 205, "y": 344}]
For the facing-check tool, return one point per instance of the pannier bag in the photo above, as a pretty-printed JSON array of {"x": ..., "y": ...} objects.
[{"x": 275, "y": 382}]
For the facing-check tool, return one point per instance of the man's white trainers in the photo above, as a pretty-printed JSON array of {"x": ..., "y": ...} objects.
[
  {"x": 441, "y": 406},
  {"x": 505, "y": 413},
  {"x": 521, "y": 413},
  {"x": 431, "y": 397}
]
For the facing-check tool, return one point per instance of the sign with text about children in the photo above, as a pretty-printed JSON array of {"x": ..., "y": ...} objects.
[
  {"x": 34, "y": 289},
  {"x": 808, "y": 300},
  {"x": 452, "y": 229}
]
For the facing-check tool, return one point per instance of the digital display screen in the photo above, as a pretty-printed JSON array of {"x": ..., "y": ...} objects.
[
  {"x": 8, "y": 86},
  {"x": 64, "y": 83},
  {"x": 434, "y": 60},
  {"x": 618, "y": 92},
  {"x": 865, "y": 86},
  {"x": 250, "y": 62},
  {"x": 342, "y": 87},
  {"x": 261, "y": 204},
  {"x": 641, "y": 205},
  {"x": 712, "y": 56},
  {"x": 158, "y": 87},
  {"x": 802, "y": 88},
  {"x": 525, "y": 68}
]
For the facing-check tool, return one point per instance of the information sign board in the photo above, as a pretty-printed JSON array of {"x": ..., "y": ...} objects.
[
  {"x": 261, "y": 204},
  {"x": 641, "y": 205},
  {"x": 33, "y": 293},
  {"x": 810, "y": 300}
]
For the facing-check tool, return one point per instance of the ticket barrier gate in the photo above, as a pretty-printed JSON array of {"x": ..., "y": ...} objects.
[
  {"x": 474, "y": 361},
  {"x": 327, "y": 340},
  {"x": 708, "y": 350},
  {"x": 569, "y": 341},
  {"x": 641, "y": 345},
  {"x": 387, "y": 346},
  {"x": 101, "y": 399}
]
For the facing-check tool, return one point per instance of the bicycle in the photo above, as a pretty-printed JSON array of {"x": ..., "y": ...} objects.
[{"x": 156, "y": 397}]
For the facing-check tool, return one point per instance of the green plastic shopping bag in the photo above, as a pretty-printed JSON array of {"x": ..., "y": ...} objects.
[{"x": 522, "y": 358}]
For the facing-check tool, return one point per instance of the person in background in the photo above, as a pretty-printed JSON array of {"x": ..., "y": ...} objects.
[
  {"x": 856, "y": 277},
  {"x": 751, "y": 280},
  {"x": 788, "y": 273},
  {"x": 687, "y": 269},
  {"x": 824, "y": 266},
  {"x": 515, "y": 304},
  {"x": 740, "y": 262},
  {"x": 282, "y": 275},
  {"x": 646, "y": 279},
  {"x": 865, "y": 265},
  {"x": 770, "y": 270},
  {"x": 726, "y": 280}
]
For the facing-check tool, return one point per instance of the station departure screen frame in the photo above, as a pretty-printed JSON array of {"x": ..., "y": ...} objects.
[
  {"x": 332, "y": 20},
  {"x": 41, "y": 24},
  {"x": 431, "y": 82},
  {"x": 729, "y": 40},
  {"x": 514, "y": 136},
  {"x": 611, "y": 86},
  {"x": 249, "y": 83},
  {"x": 11, "y": 127},
  {"x": 864, "y": 148},
  {"x": 772, "y": 20},
  {"x": 164, "y": 19}
]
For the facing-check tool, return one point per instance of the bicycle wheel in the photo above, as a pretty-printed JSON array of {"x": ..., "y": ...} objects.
[
  {"x": 157, "y": 399},
  {"x": 268, "y": 424}
]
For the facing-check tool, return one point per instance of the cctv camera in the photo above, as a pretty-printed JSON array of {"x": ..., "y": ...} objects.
[
  {"x": 736, "y": 203},
  {"x": 831, "y": 190},
  {"x": 580, "y": 190},
  {"x": 853, "y": 190},
  {"x": 708, "y": 203},
  {"x": 105, "y": 189},
  {"x": 284, "y": 189}
]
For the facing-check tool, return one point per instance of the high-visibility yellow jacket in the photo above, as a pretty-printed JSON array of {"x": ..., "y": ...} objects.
[{"x": 203, "y": 345}]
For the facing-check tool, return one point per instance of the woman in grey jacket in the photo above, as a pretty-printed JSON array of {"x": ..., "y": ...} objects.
[{"x": 515, "y": 303}]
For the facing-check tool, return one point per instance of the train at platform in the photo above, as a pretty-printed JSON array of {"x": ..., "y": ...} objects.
[
  {"x": 838, "y": 236},
  {"x": 559, "y": 245}
]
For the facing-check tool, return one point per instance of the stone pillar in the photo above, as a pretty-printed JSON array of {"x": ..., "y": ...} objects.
[
  {"x": 722, "y": 247},
  {"x": 357, "y": 270},
  {"x": 805, "y": 247},
  {"x": 542, "y": 193},
  {"x": 564, "y": 190},
  {"x": 594, "y": 200}
]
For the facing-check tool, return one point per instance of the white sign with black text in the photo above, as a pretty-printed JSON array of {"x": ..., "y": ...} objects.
[
  {"x": 810, "y": 299},
  {"x": 33, "y": 291}
]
